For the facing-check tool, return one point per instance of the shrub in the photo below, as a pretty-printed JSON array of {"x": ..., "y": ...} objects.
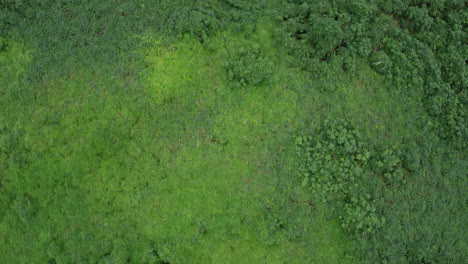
[
  {"x": 400, "y": 205},
  {"x": 335, "y": 166},
  {"x": 248, "y": 68}
]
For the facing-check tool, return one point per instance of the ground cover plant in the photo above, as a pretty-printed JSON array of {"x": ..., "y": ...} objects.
[{"x": 232, "y": 131}]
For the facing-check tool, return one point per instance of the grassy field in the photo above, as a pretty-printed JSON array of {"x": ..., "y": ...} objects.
[
  {"x": 168, "y": 163},
  {"x": 162, "y": 160}
]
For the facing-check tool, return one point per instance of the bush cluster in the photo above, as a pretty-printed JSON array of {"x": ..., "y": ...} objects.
[
  {"x": 335, "y": 165},
  {"x": 247, "y": 67},
  {"x": 419, "y": 45},
  {"x": 383, "y": 196}
]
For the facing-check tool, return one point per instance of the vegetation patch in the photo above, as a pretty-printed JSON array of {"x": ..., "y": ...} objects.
[{"x": 233, "y": 131}]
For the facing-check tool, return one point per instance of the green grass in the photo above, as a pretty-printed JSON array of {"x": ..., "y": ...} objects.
[
  {"x": 169, "y": 163},
  {"x": 221, "y": 175},
  {"x": 165, "y": 160},
  {"x": 165, "y": 133},
  {"x": 382, "y": 114}
]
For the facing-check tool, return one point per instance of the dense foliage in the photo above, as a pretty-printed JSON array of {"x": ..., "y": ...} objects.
[
  {"x": 419, "y": 45},
  {"x": 247, "y": 67},
  {"x": 388, "y": 199}
]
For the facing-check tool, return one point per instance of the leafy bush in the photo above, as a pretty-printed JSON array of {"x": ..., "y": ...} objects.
[
  {"x": 418, "y": 45},
  {"x": 392, "y": 201},
  {"x": 248, "y": 68},
  {"x": 335, "y": 165}
]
